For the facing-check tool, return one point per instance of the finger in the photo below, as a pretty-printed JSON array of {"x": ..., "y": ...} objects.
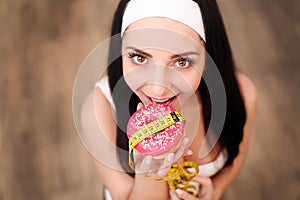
[
  {"x": 203, "y": 180},
  {"x": 165, "y": 166},
  {"x": 206, "y": 186},
  {"x": 182, "y": 148},
  {"x": 185, "y": 195},
  {"x": 168, "y": 160},
  {"x": 138, "y": 157},
  {"x": 140, "y": 105},
  {"x": 145, "y": 165},
  {"x": 202, "y": 192},
  {"x": 173, "y": 195}
]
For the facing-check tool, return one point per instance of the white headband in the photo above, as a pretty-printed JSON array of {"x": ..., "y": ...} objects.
[{"x": 184, "y": 11}]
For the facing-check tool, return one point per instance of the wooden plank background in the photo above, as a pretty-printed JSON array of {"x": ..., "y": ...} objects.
[{"x": 42, "y": 44}]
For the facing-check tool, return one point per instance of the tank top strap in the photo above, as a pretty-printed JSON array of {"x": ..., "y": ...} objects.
[{"x": 103, "y": 85}]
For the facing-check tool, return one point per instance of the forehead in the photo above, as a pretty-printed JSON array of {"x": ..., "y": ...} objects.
[
  {"x": 167, "y": 24},
  {"x": 162, "y": 33}
]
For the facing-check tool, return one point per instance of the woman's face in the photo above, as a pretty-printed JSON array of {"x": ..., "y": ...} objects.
[{"x": 183, "y": 56}]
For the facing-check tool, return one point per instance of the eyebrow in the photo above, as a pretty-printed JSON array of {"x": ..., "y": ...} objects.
[
  {"x": 185, "y": 54},
  {"x": 140, "y": 51},
  {"x": 172, "y": 57}
]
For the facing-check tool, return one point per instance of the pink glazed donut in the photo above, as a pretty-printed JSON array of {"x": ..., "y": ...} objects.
[{"x": 159, "y": 144}]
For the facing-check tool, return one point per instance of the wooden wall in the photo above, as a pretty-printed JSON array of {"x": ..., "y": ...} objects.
[{"x": 42, "y": 44}]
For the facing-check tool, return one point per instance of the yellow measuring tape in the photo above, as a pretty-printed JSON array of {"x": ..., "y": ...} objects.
[
  {"x": 150, "y": 129},
  {"x": 180, "y": 175}
]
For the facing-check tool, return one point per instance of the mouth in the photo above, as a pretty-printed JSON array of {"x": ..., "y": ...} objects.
[{"x": 165, "y": 101}]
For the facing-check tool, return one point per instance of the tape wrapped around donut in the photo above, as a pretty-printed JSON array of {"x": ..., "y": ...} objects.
[{"x": 156, "y": 130}]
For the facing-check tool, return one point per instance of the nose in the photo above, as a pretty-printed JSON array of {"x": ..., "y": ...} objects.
[
  {"x": 159, "y": 84},
  {"x": 158, "y": 90}
]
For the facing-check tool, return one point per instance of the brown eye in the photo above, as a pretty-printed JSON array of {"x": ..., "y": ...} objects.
[
  {"x": 140, "y": 59},
  {"x": 137, "y": 58},
  {"x": 182, "y": 63}
]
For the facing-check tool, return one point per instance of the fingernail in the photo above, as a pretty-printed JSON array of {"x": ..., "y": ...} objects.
[
  {"x": 179, "y": 192},
  {"x": 139, "y": 105},
  {"x": 170, "y": 157},
  {"x": 189, "y": 152}
]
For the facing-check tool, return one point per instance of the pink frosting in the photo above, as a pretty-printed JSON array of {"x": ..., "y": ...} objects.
[{"x": 158, "y": 143}]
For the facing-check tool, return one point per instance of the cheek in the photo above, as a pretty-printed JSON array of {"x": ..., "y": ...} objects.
[
  {"x": 196, "y": 82},
  {"x": 193, "y": 78}
]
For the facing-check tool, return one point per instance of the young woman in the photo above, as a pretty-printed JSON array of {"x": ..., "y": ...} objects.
[{"x": 201, "y": 22}]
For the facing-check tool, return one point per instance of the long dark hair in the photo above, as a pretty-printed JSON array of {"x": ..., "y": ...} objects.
[{"x": 217, "y": 46}]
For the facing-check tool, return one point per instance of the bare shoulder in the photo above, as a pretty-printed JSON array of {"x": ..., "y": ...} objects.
[
  {"x": 248, "y": 91},
  {"x": 97, "y": 106},
  {"x": 104, "y": 115},
  {"x": 249, "y": 94}
]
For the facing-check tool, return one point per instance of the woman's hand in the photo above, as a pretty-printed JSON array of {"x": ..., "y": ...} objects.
[
  {"x": 159, "y": 167},
  {"x": 206, "y": 190}
]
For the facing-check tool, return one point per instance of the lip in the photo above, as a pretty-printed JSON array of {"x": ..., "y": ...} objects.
[{"x": 169, "y": 102}]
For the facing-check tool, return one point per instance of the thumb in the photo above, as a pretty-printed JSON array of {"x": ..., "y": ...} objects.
[{"x": 140, "y": 105}]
